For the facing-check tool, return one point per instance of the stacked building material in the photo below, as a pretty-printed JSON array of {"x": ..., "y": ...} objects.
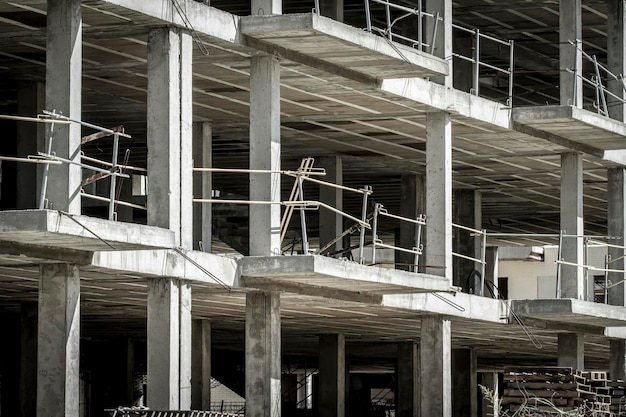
[
  {"x": 618, "y": 398},
  {"x": 593, "y": 387}
]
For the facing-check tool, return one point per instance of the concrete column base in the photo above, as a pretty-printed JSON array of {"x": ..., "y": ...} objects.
[{"x": 435, "y": 360}]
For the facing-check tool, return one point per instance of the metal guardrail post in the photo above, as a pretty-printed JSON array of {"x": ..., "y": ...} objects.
[
  {"x": 418, "y": 241},
  {"x": 483, "y": 256},
  {"x": 559, "y": 257},
  {"x": 46, "y": 171},
  {"x": 434, "y": 37},
  {"x": 305, "y": 237},
  {"x": 607, "y": 262},
  {"x": 419, "y": 25},
  {"x": 585, "y": 269},
  {"x": 375, "y": 231},
  {"x": 576, "y": 53},
  {"x": 366, "y": 194},
  {"x": 600, "y": 89},
  {"x": 116, "y": 142},
  {"x": 368, "y": 16},
  {"x": 317, "y": 7},
  {"x": 511, "y": 71},
  {"x": 477, "y": 61},
  {"x": 388, "y": 17}
]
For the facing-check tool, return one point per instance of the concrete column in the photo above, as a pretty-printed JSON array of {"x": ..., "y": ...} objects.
[
  {"x": 443, "y": 37},
  {"x": 266, "y": 7},
  {"x": 435, "y": 395},
  {"x": 58, "y": 341},
  {"x": 617, "y": 360},
  {"x": 464, "y": 383},
  {"x": 28, "y": 360},
  {"x": 263, "y": 355},
  {"x": 332, "y": 375},
  {"x": 265, "y": 154},
  {"x": 408, "y": 380},
  {"x": 616, "y": 228},
  {"x": 616, "y": 58},
  {"x": 439, "y": 194},
  {"x": 572, "y": 277},
  {"x": 30, "y": 139},
  {"x": 169, "y": 344},
  {"x": 571, "y": 350},
  {"x": 202, "y": 185},
  {"x": 330, "y": 223},
  {"x": 491, "y": 270},
  {"x": 467, "y": 212},
  {"x": 201, "y": 365},
  {"x": 412, "y": 204},
  {"x": 332, "y": 9},
  {"x": 170, "y": 160},
  {"x": 63, "y": 95},
  {"x": 570, "y": 61}
]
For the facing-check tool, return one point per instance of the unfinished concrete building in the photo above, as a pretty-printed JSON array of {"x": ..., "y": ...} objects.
[{"x": 304, "y": 200}]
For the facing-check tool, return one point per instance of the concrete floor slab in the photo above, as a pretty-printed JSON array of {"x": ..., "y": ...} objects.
[
  {"x": 337, "y": 47},
  {"x": 571, "y": 312},
  {"x": 58, "y": 230},
  {"x": 328, "y": 273}
]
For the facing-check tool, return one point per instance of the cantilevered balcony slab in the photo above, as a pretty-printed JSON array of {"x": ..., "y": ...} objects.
[
  {"x": 575, "y": 128},
  {"x": 313, "y": 275},
  {"x": 336, "y": 47},
  {"x": 571, "y": 312},
  {"x": 56, "y": 230}
]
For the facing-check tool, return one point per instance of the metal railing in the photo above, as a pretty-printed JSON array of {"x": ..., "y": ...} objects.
[
  {"x": 478, "y": 261},
  {"x": 479, "y": 64},
  {"x": 598, "y": 80},
  {"x": 381, "y": 211}
]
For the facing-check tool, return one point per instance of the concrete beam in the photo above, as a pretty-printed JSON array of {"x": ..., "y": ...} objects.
[
  {"x": 169, "y": 344},
  {"x": 435, "y": 396},
  {"x": 570, "y": 60},
  {"x": 58, "y": 341},
  {"x": 263, "y": 355},
  {"x": 330, "y": 223},
  {"x": 202, "y": 186},
  {"x": 571, "y": 350},
  {"x": 169, "y": 133},
  {"x": 201, "y": 365},
  {"x": 63, "y": 95},
  {"x": 616, "y": 57},
  {"x": 572, "y": 277},
  {"x": 265, "y": 154},
  {"x": 408, "y": 367},
  {"x": 571, "y": 311},
  {"x": 332, "y": 375},
  {"x": 439, "y": 195}
]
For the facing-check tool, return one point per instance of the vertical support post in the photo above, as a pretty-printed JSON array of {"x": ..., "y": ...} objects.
[
  {"x": 169, "y": 344},
  {"x": 332, "y": 375},
  {"x": 170, "y": 188},
  {"x": 435, "y": 360},
  {"x": 113, "y": 187},
  {"x": 202, "y": 186},
  {"x": 366, "y": 194},
  {"x": 63, "y": 95},
  {"x": 616, "y": 57},
  {"x": 201, "y": 365},
  {"x": 28, "y": 360},
  {"x": 58, "y": 341},
  {"x": 571, "y": 350},
  {"x": 477, "y": 61},
  {"x": 439, "y": 195},
  {"x": 263, "y": 369},
  {"x": 388, "y": 17},
  {"x": 368, "y": 16},
  {"x": 570, "y": 60},
  {"x": 305, "y": 237},
  {"x": 265, "y": 154},
  {"x": 330, "y": 223},
  {"x": 572, "y": 277},
  {"x": 439, "y": 34},
  {"x": 375, "y": 231},
  {"x": 511, "y": 72},
  {"x": 408, "y": 380}
]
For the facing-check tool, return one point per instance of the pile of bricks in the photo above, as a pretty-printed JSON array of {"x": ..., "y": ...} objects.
[{"x": 594, "y": 390}]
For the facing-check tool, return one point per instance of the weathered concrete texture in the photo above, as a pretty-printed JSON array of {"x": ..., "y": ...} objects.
[
  {"x": 616, "y": 227},
  {"x": 30, "y": 140},
  {"x": 28, "y": 360},
  {"x": 407, "y": 404},
  {"x": 265, "y": 155},
  {"x": 571, "y": 350},
  {"x": 82, "y": 233},
  {"x": 63, "y": 95},
  {"x": 412, "y": 204},
  {"x": 324, "y": 272},
  {"x": 616, "y": 57},
  {"x": 570, "y": 61},
  {"x": 466, "y": 212},
  {"x": 371, "y": 60},
  {"x": 169, "y": 133},
  {"x": 201, "y": 365},
  {"x": 435, "y": 359},
  {"x": 202, "y": 185},
  {"x": 464, "y": 383},
  {"x": 571, "y": 311},
  {"x": 443, "y": 36},
  {"x": 263, "y": 355},
  {"x": 169, "y": 344},
  {"x": 617, "y": 360},
  {"x": 332, "y": 375},
  {"x": 439, "y": 195},
  {"x": 330, "y": 223},
  {"x": 572, "y": 277},
  {"x": 58, "y": 341}
]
